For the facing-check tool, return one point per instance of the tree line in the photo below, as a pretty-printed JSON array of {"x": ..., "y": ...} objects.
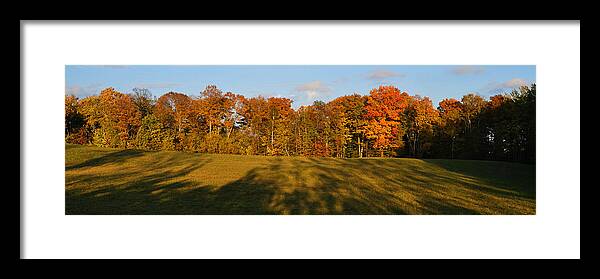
[{"x": 385, "y": 123}]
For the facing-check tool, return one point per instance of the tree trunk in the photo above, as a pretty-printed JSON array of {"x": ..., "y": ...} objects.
[
  {"x": 415, "y": 146},
  {"x": 360, "y": 155},
  {"x": 272, "y": 131},
  {"x": 452, "y": 149},
  {"x": 417, "y": 149}
]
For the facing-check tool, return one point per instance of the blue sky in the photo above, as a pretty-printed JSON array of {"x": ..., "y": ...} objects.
[{"x": 301, "y": 83}]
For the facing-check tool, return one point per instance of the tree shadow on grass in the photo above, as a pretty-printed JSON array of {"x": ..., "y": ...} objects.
[
  {"x": 97, "y": 187},
  {"x": 298, "y": 186},
  {"x": 476, "y": 188},
  {"x": 301, "y": 186},
  {"x": 515, "y": 178},
  {"x": 273, "y": 189},
  {"x": 113, "y": 157}
]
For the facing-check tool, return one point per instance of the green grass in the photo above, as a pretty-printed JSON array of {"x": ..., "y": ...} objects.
[{"x": 114, "y": 181}]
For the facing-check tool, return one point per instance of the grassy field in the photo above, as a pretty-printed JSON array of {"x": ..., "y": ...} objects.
[{"x": 113, "y": 181}]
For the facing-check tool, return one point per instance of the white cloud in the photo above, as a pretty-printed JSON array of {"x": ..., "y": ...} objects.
[
  {"x": 316, "y": 85},
  {"x": 312, "y": 94},
  {"x": 73, "y": 90},
  {"x": 514, "y": 83},
  {"x": 498, "y": 87},
  {"x": 83, "y": 91},
  {"x": 467, "y": 70},
  {"x": 313, "y": 89},
  {"x": 383, "y": 74}
]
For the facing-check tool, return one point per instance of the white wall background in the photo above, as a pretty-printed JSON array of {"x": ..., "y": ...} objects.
[{"x": 553, "y": 233}]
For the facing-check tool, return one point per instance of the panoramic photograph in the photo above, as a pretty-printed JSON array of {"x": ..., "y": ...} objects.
[{"x": 300, "y": 140}]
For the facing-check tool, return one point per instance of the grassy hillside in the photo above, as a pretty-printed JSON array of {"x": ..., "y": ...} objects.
[{"x": 113, "y": 181}]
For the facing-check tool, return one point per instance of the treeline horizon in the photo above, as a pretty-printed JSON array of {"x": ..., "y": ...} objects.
[{"x": 385, "y": 123}]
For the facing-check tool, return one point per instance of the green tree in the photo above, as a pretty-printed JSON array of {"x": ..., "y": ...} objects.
[{"x": 151, "y": 135}]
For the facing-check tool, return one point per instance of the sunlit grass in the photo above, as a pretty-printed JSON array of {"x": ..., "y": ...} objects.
[{"x": 113, "y": 181}]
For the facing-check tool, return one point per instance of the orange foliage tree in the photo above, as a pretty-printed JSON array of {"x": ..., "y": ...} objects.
[
  {"x": 420, "y": 119},
  {"x": 386, "y": 122},
  {"x": 117, "y": 117},
  {"x": 173, "y": 111},
  {"x": 384, "y": 109}
]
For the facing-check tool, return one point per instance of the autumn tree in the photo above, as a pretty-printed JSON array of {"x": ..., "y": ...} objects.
[
  {"x": 152, "y": 135},
  {"x": 472, "y": 106},
  {"x": 322, "y": 129},
  {"x": 319, "y": 130},
  {"x": 509, "y": 125},
  {"x": 92, "y": 112},
  {"x": 339, "y": 132},
  {"x": 420, "y": 117},
  {"x": 214, "y": 107},
  {"x": 143, "y": 100},
  {"x": 279, "y": 111},
  {"x": 233, "y": 118},
  {"x": 114, "y": 117},
  {"x": 173, "y": 110},
  {"x": 305, "y": 131},
  {"x": 75, "y": 131},
  {"x": 450, "y": 120},
  {"x": 384, "y": 109},
  {"x": 387, "y": 121},
  {"x": 348, "y": 124},
  {"x": 255, "y": 112}
]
